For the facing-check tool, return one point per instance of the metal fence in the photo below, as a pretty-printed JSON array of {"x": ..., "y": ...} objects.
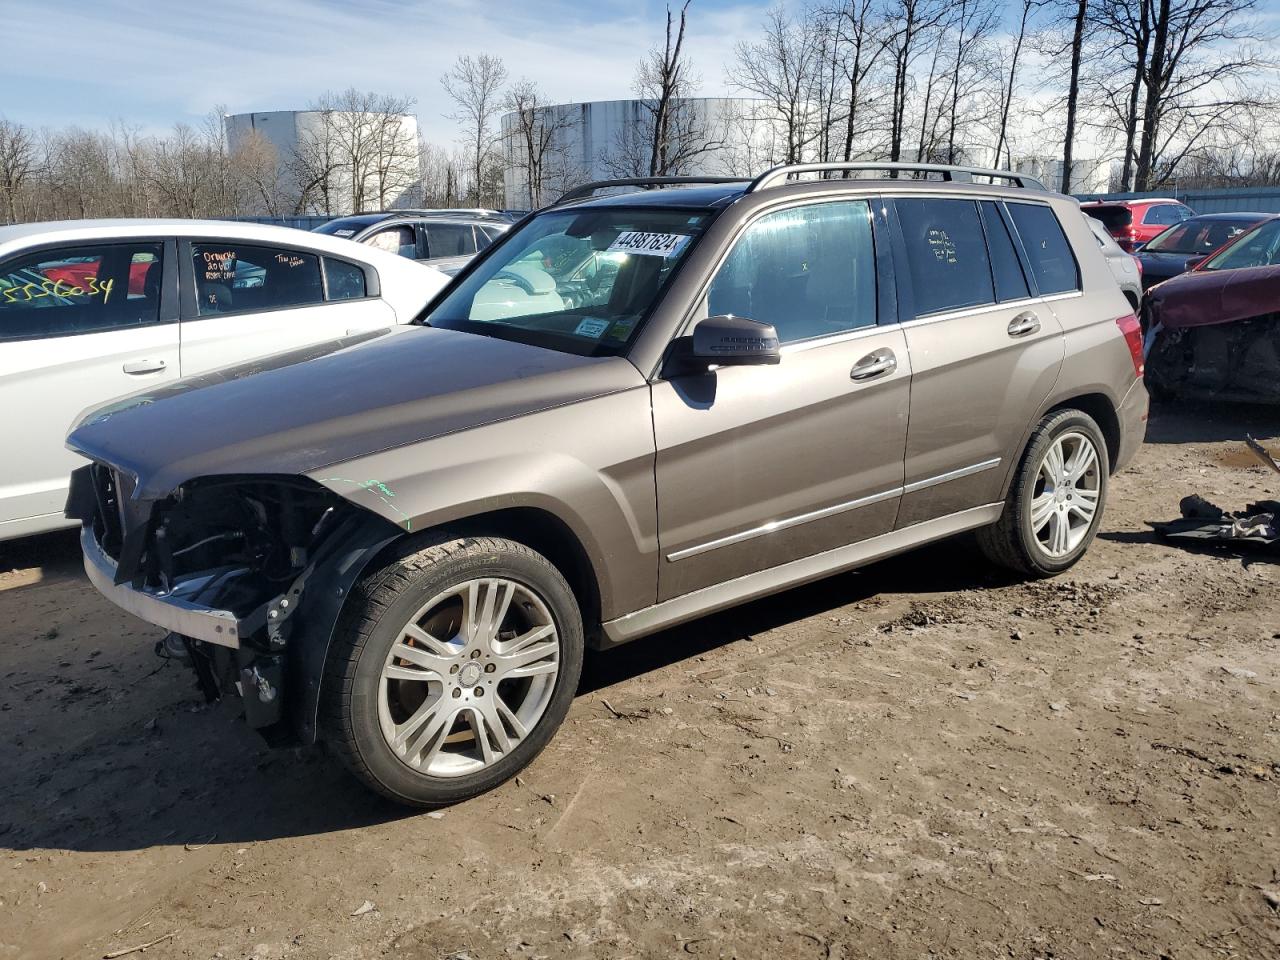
[{"x": 1229, "y": 200}]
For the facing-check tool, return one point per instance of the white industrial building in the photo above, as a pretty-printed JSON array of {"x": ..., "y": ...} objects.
[
  {"x": 345, "y": 162},
  {"x": 603, "y": 139}
]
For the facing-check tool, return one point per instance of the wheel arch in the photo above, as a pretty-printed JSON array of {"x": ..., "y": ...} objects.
[{"x": 1099, "y": 407}]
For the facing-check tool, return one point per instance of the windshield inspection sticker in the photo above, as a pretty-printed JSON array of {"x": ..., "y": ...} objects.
[
  {"x": 649, "y": 244},
  {"x": 591, "y": 327}
]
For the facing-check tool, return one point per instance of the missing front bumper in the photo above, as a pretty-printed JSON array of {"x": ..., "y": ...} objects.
[{"x": 176, "y": 610}]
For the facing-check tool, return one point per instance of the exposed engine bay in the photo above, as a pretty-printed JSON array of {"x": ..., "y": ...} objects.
[
  {"x": 273, "y": 556},
  {"x": 1226, "y": 361}
]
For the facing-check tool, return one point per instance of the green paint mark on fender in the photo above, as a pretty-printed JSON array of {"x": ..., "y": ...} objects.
[{"x": 380, "y": 490}]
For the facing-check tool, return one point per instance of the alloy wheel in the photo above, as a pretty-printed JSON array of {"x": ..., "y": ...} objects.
[
  {"x": 469, "y": 677},
  {"x": 1067, "y": 491}
]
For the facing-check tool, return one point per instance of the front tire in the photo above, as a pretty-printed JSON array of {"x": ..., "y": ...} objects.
[
  {"x": 1056, "y": 500},
  {"x": 453, "y": 665}
]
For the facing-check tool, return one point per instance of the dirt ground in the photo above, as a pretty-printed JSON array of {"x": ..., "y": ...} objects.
[{"x": 920, "y": 759}]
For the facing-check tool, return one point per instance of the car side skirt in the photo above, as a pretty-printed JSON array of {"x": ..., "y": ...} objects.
[{"x": 690, "y": 606}]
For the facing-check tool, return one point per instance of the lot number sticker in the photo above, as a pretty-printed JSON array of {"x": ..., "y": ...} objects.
[
  {"x": 649, "y": 244},
  {"x": 592, "y": 327}
]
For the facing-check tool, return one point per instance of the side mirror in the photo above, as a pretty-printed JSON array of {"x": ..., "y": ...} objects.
[
  {"x": 1194, "y": 262},
  {"x": 735, "y": 341}
]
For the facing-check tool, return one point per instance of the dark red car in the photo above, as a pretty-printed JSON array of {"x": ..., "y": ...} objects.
[
  {"x": 1134, "y": 222},
  {"x": 1215, "y": 330}
]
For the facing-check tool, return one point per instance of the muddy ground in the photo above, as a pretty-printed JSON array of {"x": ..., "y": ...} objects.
[{"x": 921, "y": 759}]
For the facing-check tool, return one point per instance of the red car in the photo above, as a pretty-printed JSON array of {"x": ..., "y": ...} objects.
[
  {"x": 1215, "y": 330},
  {"x": 1134, "y": 222}
]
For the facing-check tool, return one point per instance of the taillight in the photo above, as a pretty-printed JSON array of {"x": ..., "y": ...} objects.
[{"x": 1132, "y": 331}]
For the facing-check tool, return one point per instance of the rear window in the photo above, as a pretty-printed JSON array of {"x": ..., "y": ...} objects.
[
  {"x": 234, "y": 277},
  {"x": 1052, "y": 262},
  {"x": 946, "y": 254},
  {"x": 1112, "y": 217}
]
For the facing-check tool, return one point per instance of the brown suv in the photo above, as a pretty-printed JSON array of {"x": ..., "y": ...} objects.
[{"x": 630, "y": 411}]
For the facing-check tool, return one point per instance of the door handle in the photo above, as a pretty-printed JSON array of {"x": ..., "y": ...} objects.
[
  {"x": 1023, "y": 324},
  {"x": 138, "y": 367},
  {"x": 874, "y": 364}
]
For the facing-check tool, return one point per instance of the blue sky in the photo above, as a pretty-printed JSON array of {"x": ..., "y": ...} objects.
[{"x": 150, "y": 63}]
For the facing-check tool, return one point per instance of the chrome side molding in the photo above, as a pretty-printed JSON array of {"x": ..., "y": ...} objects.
[
  {"x": 699, "y": 603},
  {"x": 773, "y": 526}
]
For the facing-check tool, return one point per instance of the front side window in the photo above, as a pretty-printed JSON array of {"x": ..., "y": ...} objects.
[
  {"x": 946, "y": 254},
  {"x": 77, "y": 290},
  {"x": 397, "y": 240},
  {"x": 449, "y": 240},
  {"x": 1260, "y": 247},
  {"x": 809, "y": 271},
  {"x": 1052, "y": 263},
  {"x": 235, "y": 278},
  {"x": 581, "y": 281}
]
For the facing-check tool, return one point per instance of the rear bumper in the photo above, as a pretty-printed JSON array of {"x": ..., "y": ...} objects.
[
  {"x": 1133, "y": 424},
  {"x": 175, "y": 610}
]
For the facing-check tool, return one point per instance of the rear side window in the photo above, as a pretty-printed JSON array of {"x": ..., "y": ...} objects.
[
  {"x": 77, "y": 290},
  {"x": 449, "y": 239},
  {"x": 1164, "y": 214},
  {"x": 345, "y": 281},
  {"x": 234, "y": 278},
  {"x": 1006, "y": 268},
  {"x": 1113, "y": 218},
  {"x": 808, "y": 271},
  {"x": 946, "y": 254},
  {"x": 1052, "y": 263}
]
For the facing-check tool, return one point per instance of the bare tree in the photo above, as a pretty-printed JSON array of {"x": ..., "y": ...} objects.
[
  {"x": 784, "y": 70},
  {"x": 861, "y": 35},
  {"x": 914, "y": 21},
  {"x": 18, "y": 160},
  {"x": 475, "y": 85},
  {"x": 1009, "y": 82},
  {"x": 257, "y": 162},
  {"x": 1079, "y": 17},
  {"x": 535, "y": 140}
]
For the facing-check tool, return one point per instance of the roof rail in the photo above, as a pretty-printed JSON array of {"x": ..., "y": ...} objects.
[
  {"x": 647, "y": 183},
  {"x": 781, "y": 174}
]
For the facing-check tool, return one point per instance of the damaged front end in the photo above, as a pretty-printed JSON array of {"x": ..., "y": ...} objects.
[
  {"x": 1236, "y": 361},
  {"x": 247, "y": 573}
]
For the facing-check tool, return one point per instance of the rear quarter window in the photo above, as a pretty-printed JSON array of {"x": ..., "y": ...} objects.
[{"x": 1052, "y": 263}]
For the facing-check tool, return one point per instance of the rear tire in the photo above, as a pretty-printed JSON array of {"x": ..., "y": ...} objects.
[
  {"x": 453, "y": 665},
  {"x": 1056, "y": 500}
]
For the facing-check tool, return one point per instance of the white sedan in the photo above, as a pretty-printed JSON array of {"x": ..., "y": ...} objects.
[{"x": 94, "y": 309}]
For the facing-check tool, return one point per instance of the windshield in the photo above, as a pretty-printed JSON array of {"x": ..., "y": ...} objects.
[
  {"x": 1113, "y": 218},
  {"x": 1197, "y": 236},
  {"x": 581, "y": 281},
  {"x": 1260, "y": 247}
]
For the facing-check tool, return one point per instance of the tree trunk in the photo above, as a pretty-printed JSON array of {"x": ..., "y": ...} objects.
[
  {"x": 1073, "y": 94},
  {"x": 1155, "y": 82}
]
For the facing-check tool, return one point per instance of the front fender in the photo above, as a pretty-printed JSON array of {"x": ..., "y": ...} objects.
[{"x": 589, "y": 465}]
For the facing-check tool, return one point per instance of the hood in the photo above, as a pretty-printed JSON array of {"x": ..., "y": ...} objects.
[
  {"x": 296, "y": 412},
  {"x": 1204, "y": 297},
  {"x": 1166, "y": 264}
]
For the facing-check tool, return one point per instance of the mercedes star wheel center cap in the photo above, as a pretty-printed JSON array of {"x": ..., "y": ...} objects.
[{"x": 470, "y": 675}]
